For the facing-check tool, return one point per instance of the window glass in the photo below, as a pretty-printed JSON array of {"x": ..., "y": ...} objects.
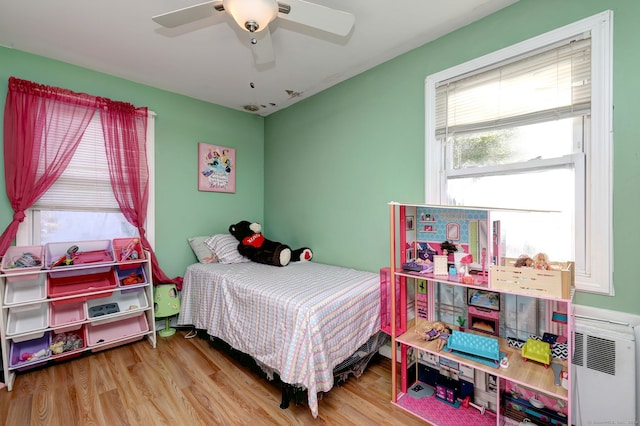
[
  {"x": 59, "y": 225},
  {"x": 512, "y": 145}
]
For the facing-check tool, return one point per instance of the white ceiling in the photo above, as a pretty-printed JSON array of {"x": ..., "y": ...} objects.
[{"x": 211, "y": 59}]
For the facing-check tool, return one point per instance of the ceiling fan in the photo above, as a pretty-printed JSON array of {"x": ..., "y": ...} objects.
[{"x": 254, "y": 16}]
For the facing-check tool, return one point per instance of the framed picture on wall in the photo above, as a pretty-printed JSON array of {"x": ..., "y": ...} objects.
[
  {"x": 409, "y": 223},
  {"x": 216, "y": 168}
]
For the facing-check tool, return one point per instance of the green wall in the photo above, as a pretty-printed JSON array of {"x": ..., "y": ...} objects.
[
  {"x": 181, "y": 122},
  {"x": 321, "y": 172},
  {"x": 334, "y": 161}
]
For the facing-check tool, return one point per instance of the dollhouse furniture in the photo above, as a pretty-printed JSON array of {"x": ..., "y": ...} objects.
[
  {"x": 537, "y": 350},
  {"x": 447, "y": 389},
  {"x": 475, "y": 345},
  {"x": 477, "y": 353},
  {"x": 484, "y": 320}
]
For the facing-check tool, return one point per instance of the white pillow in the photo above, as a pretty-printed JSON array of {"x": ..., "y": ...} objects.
[
  {"x": 225, "y": 247},
  {"x": 201, "y": 250}
]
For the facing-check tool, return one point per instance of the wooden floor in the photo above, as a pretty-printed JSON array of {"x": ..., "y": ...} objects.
[{"x": 184, "y": 382}]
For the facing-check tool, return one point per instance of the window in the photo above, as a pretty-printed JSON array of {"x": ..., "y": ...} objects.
[
  {"x": 81, "y": 205},
  {"x": 449, "y": 300},
  {"x": 529, "y": 127}
]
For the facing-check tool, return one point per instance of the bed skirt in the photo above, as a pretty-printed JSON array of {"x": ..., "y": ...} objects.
[{"x": 355, "y": 365}]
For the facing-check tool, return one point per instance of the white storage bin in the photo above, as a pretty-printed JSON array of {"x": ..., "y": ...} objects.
[
  {"x": 118, "y": 305},
  {"x": 33, "y": 290},
  {"x": 32, "y": 319}
]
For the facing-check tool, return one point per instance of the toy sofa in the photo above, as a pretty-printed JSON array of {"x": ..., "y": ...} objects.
[
  {"x": 537, "y": 350},
  {"x": 475, "y": 345}
]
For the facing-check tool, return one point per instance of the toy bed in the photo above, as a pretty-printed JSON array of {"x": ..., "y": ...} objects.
[{"x": 298, "y": 321}]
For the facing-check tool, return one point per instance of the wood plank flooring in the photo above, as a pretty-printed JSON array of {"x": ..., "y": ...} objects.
[{"x": 184, "y": 382}]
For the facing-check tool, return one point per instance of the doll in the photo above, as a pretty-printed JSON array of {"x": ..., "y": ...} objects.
[
  {"x": 443, "y": 337},
  {"x": 524, "y": 261},
  {"x": 436, "y": 331},
  {"x": 541, "y": 261},
  {"x": 423, "y": 328}
]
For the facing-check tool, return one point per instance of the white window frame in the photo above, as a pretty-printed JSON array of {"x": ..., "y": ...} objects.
[
  {"x": 25, "y": 236},
  {"x": 599, "y": 260}
]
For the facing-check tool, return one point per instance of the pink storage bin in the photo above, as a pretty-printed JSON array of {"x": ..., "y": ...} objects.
[
  {"x": 65, "y": 317},
  {"x": 120, "y": 249},
  {"x": 79, "y": 335},
  {"x": 103, "y": 333},
  {"x": 79, "y": 284},
  {"x": 13, "y": 254},
  {"x": 96, "y": 253}
]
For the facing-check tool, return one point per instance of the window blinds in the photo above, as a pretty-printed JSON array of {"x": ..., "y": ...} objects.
[
  {"x": 544, "y": 85},
  {"x": 85, "y": 184}
]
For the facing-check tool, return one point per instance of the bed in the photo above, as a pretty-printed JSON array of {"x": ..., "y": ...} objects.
[{"x": 298, "y": 321}]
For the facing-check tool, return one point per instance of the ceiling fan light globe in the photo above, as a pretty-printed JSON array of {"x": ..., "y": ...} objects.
[{"x": 252, "y": 15}]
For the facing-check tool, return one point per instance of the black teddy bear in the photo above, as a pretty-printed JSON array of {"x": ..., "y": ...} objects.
[{"x": 254, "y": 246}]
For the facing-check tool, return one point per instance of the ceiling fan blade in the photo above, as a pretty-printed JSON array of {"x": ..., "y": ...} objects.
[
  {"x": 188, "y": 14},
  {"x": 316, "y": 16},
  {"x": 262, "y": 47}
]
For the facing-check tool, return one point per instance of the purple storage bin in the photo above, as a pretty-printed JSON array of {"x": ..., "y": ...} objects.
[
  {"x": 124, "y": 274},
  {"x": 97, "y": 254},
  {"x": 19, "y": 351}
]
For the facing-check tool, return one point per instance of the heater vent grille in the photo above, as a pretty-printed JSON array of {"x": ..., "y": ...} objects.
[
  {"x": 578, "y": 355},
  {"x": 601, "y": 355}
]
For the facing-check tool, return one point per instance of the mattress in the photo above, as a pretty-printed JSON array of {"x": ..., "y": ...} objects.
[{"x": 299, "y": 321}]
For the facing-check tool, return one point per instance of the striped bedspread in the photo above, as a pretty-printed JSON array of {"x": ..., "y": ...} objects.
[{"x": 300, "y": 320}]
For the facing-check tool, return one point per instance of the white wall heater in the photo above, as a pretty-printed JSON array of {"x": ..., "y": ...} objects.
[{"x": 606, "y": 371}]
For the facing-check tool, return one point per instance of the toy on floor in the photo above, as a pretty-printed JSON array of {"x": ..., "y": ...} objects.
[{"x": 466, "y": 402}]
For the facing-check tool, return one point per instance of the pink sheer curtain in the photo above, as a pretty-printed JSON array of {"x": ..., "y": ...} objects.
[
  {"x": 125, "y": 133},
  {"x": 43, "y": 126},
  {"x": 34, "y": 115}
]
